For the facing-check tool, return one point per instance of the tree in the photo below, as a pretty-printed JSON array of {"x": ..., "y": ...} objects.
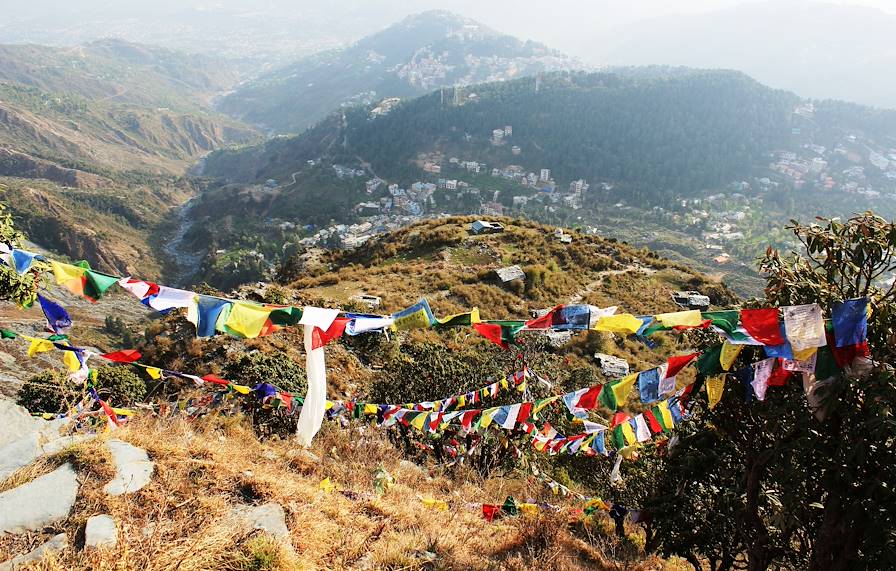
[
  {"x": 21, "y": 289},
  {"x": 791, "y": 481}
]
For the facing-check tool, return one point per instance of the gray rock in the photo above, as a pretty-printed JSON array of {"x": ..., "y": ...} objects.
[
  {"x": 15, "y": 422},
  {"x": 268, "y": 517},
  {"x": 39, "y": 503},
  {"x": 28, "y": 448},
  {"x": 133, "y": 468},
  {"x": 56, "y": 543},
  {"x": 101, "y": 531}
]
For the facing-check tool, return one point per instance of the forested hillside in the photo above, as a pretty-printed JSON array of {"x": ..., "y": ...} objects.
[{"x": 655, "y": 137}]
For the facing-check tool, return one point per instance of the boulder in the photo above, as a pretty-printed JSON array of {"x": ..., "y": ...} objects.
[
  {"x": 133, "y": 468},
  {"x": 57, "y": 543},
  {"x": 16, "y": 422},
  {"x": 269, "y": 518},
  {"x": 100, "y": 531},
  {"x": 39, "y": 503}
]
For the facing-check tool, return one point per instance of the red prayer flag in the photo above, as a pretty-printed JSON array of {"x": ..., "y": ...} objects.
[
  {"x": 320, "y": 338},
  {"x": 286, "y": 399},
  {"x": 675, "y": 364},
  {"x": 110, "y": 413},
  {"x": 215, "y": 379},
  {"x": 525, "y": 411},
  {"x": 654, "y": 424},
  {"x": 706, "y": 323},
  {"x": 779, "y": 376},
  {"x": 588, "y": 400},
  {"x": 618, "y": 418},
  {"x": 492, "y": 332},
  {"x": 126, "y": 356},
  {"x": 489, "y": 511},
  {"x": 545, "y": 321},
  {"x": 762, "y": 325}
]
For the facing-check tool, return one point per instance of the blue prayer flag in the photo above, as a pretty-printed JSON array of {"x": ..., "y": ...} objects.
[
  {"x": 58, "y": 319},
  {"x": 850, "y": 319},
  {"x": 649, "y": 385}
]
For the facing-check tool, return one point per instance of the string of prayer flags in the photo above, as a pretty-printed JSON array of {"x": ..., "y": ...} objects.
[
  {"x": 19, "y": 260},
  {"x": 762, "y": 325},
  {"x": 58, "y": 319},
  {"x": 804, "y": 325},
  {"x": 850, "y": 321},
  {"x": 418, "y": 316}
]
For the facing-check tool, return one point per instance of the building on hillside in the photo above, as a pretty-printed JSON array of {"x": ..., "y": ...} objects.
[
  {"x": 486, "y": 227},
  {"x": 371, "y": 301},
  {"x": 516, "y": 150},
  {"x": 612, "y": 367},
  {"x": 492, "y": 209},
  {"x": 433, "y": 168},
  {"x": 498, "y": 137},
  {"x": 373, "y": 184},
  {"x": 508, "y": 130},
  {"x": 691, "y": 300},
  {"x": 545, "y": 175},
  {"x": 510, "y": 273}
]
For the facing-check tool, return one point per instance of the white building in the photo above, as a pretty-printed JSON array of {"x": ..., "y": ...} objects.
[
  {"x": 497, "y": 136},
  {"x": 545, "y": 175}
]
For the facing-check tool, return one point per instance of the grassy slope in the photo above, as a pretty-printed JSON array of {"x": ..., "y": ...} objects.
[{"x": 204, "y": 468}]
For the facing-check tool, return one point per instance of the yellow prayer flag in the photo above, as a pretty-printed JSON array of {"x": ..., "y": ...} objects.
[
  {"x": 370, "y": 409},
  {"x": 71, "y": 361},
  {"x": 714, "y": 388},
  {"x": 435, "y": 504},
  {"x": 729, "y": 354},
  {"x": 622, "y": 388},
  {"x": 247, "y": 319},
  {"x": 330, "y": 404},
  {"x": 38, "y": 346},
  {"x": 539, "y": 406},
  {"x": 327, "y": 486},
  {"x": 521, "y": 387},
  {"x": 243, "y": 390},
  {"x": 419, "y": 421},
  {"x": 623, "y": 323},
  {"x": 530, "y": 509},
  {"x": 153, "y": 372},
  {"x": 123, "y": 411},
  {"x": 629, "y": 433},
  {"x": 65, "y": 273},
  {"x": 667, "y": 414},
  {"x": 805, "y": 354},
  {"x": 486, "y": 418},
  {"x": 690, "y": 318},
  {"x": 505, "y": 384}
]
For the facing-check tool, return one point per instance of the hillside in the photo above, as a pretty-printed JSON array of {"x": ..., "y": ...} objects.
[
  {"x": 416, "y": 55},
  {"x": 656, "y": 136}
]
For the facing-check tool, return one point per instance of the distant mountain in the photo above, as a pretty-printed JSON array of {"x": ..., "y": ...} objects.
[
  {"x": 815, "y": 49},
  {"x": 419, "y": 54}
]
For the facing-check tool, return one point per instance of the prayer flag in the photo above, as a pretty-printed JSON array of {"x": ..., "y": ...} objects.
[
  {"x": 724, "y": 320},
  {"x": 762, "y": 370},
  {"x": 614, "y": 394},
  {"x": 459, "y": 319},
  {"x": 689, "y": 318},
  {"x": 729, "y": 354},
  {"x": 58, "y": 319},
  {"x": 762, "y": 325},
  {"x": 715, "y": 386},
  {"x": 125, "y": 356},
  {"x": 418, "y": 316},
  {"x": 805, "y": 326},
  {"x": 169, "y": 298},
  {"x": 850, "y": 320},
  {"x": 642, "y": 431},
  {"x": 652, "y": 422},
  {"x": 709, "y": 363},
  {"x": 678, "y": 362},
  {"x": 204, "y": 312},
  {"x": 246, "y": 319},
  {"x": 624, "y": 324},
  {"x": 320, "y": 338},
  {"x": 649, "y": 385}
]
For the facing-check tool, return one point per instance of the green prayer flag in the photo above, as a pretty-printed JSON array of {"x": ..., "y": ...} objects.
[
  {"x": 286, "y": 316},
  {"x": 709, "y": 362},
  {"x": 7, "y": 334},
  {"x": 725, "y": 320},
  {"x": 98, "y": 283},
  {"x": 509, "y": 506}
]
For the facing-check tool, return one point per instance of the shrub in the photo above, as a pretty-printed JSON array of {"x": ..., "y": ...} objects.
[
  {"x": 51, "y": 391},
  {"x": 276, "y": 368}
]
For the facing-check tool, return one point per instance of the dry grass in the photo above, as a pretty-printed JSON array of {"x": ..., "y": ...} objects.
[{"x": 182, "y": 519}]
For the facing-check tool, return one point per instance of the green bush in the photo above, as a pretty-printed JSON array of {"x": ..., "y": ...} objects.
[
  {"x": 277, "y": 369},
  {"x": 50, "y": 391}
]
